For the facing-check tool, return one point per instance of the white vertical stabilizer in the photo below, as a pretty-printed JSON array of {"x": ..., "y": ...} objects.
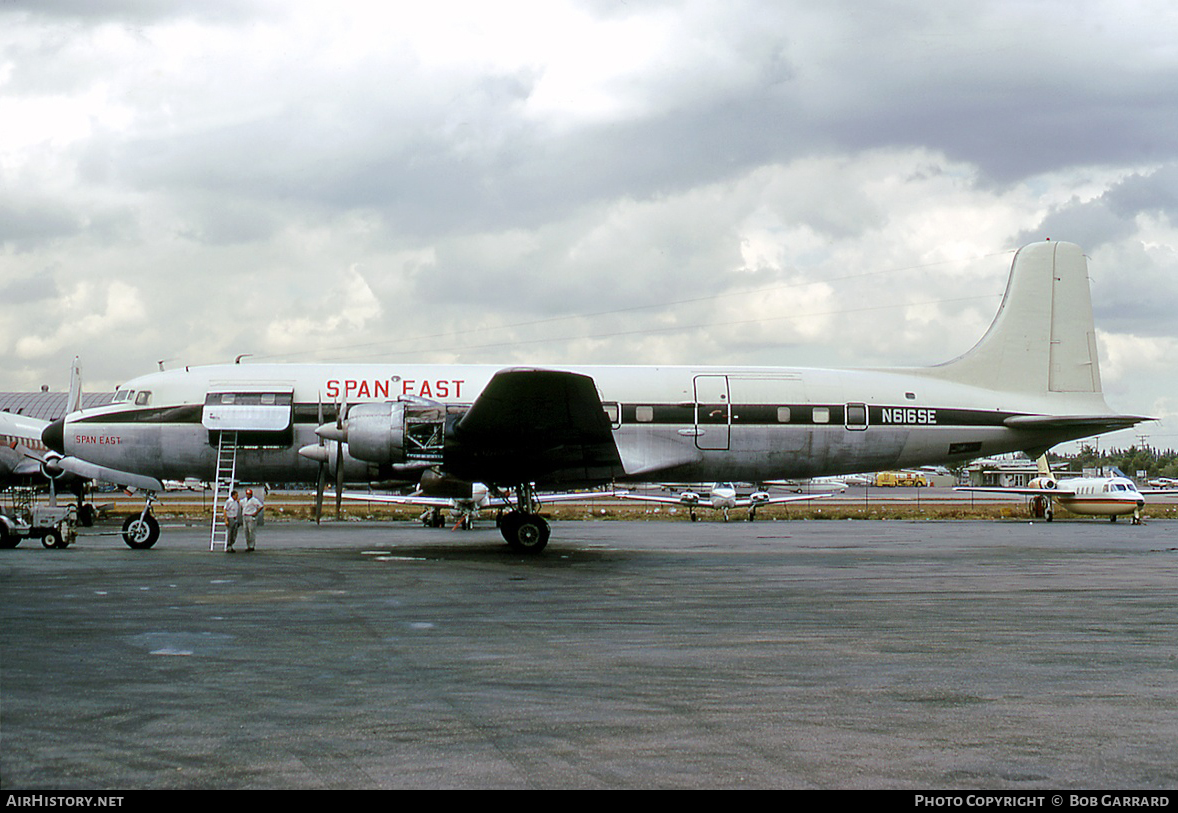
[
  {"x": 74, "y": 401},
  {"x": 1042, "y": 340}
]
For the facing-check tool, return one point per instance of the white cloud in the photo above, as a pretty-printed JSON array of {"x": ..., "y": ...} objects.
[{"x": 576, "y": 181}]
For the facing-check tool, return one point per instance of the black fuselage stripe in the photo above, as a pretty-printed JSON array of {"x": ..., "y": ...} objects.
[{"x": 652, "y": 414}]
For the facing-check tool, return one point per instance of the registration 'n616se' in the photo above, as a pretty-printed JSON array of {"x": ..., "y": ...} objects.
[{"x": 908, "y": 415}]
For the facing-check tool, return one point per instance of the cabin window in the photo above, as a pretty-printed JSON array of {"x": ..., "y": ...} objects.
[
  {"x": 268, "y": 399},
  {"x": 856, "y": 416},
  {"x": 612, "y": 413},
  {"x": 821, "y": 414},
  {"x": 228, "y": 398},
  {"x": 644, "y": 414},
  {"x": 783, "y": 414}
]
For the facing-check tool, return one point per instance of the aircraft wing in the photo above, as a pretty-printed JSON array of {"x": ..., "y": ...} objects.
[
  {"x": 704, "y": 502},
  {"x": 22, "y": 427},
  {"x": 14, "y": 462},
  {"x": 665, "y": 499},
  {"x": 535, "y": 426},
  {"x": 1026, "y": 492},
  {"x": 446, "y": 502},
  {"x": 745, "y": 503},
  {"x": 401, "y": 499},
  {"x": 92, "y": 471}
]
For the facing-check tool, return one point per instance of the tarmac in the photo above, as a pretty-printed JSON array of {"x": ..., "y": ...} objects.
[{"x": 1003, "y": 655}]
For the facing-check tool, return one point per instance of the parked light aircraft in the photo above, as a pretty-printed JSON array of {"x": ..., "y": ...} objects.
[
  {"x": 1110, "y": 497},
  {"x": 1031, "y": 382},
  {"x": 722, "y": 497},
  {"x": 813, "y": 485},
  {"x": 24, "y": 455}
]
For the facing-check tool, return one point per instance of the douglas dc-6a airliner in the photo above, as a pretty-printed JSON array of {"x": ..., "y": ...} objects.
[{"x": 1032, "y": 381}]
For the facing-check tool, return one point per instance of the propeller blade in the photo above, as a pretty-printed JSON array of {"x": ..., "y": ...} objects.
[
  {"x": 321, "y": 480},
  {"x": 340, "y": 416}
]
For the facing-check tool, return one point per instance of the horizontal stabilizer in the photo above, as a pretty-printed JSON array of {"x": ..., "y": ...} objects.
[{"x": 1096, "y": 423}]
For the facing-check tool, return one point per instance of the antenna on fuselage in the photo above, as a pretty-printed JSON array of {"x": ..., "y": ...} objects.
[{"x": 240, "y": 357}]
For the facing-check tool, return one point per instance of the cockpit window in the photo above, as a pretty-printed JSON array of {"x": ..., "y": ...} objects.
[
  {"x": 143, "y": 398},
  {"x": 122, "y": 395}
]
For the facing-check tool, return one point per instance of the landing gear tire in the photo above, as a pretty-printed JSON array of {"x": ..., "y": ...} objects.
[
  {"x": 7, "y": 540},
  {"x": 141, "y": 531},
  {"x": 525, "y": 533},
  {"x": 53, "y": 539},
  {"x": 86, "y": 515}
]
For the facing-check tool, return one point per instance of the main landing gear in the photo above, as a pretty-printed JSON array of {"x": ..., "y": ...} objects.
[{"x": 523, "y": 527}]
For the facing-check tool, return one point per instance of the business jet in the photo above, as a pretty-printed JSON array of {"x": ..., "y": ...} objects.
[
  {"x": 1031, "y": 382},
  {"x": 721, "y": 497},
  {"x": 1110, "y": 497}
]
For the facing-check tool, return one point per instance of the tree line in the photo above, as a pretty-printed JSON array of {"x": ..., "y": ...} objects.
[{"x": 1155, "y": 462}]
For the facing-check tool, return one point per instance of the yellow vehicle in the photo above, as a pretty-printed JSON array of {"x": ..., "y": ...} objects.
[{"x": 893, "y": 479}]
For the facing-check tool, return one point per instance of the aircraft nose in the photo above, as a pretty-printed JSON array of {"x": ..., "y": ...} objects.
[{"x": 53, "y": 436}]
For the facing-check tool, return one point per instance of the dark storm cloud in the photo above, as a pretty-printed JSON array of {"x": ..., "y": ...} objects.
[{"x": 1112, "y": 216}]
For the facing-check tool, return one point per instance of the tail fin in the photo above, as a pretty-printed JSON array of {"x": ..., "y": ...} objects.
[
  {"x": 75, "y": 397},
  {"x": 1043, "y": 339},
  {"x": 1044, "y": 467}
]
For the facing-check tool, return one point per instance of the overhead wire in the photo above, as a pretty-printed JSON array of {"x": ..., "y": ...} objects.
[{"x": 386, "y": 353}]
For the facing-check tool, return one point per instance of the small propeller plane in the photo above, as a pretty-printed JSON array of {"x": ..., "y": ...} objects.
[
  {"x": 1110, "y": 497},
  {"x": 1033, "y": 381},
  {"x": 722, "y": 497}
]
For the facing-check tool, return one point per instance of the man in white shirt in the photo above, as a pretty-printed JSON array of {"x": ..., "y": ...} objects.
[
  {"x": 250, "y": 510},
  {"x": 232, "y": 520}
]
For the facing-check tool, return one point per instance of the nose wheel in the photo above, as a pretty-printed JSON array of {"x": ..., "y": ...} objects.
[{"x": 142, "y": 530}]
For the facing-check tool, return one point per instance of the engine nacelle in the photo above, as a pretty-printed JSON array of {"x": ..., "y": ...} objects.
[
  {"x": 396, "y": 431},
  {"x": 50, "y": 467},
  {"x": 376, "y": 432}
]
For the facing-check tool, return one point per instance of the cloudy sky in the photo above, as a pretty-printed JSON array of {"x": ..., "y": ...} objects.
[{"x": 578, "y": 181}]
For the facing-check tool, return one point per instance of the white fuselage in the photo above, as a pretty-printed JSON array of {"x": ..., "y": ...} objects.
[
  {"x": 1095, "y": 496},
  {"x": 687, "y": 423}
]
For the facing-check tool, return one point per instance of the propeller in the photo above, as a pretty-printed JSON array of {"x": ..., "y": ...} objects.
[
  {"x": 340, "y": 416},
  {"x": 322, "y": 454},
  {"x": 322, "y": 479}
]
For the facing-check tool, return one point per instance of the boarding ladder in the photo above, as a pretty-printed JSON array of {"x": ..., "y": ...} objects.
[{"x": 226, "y": 478}]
